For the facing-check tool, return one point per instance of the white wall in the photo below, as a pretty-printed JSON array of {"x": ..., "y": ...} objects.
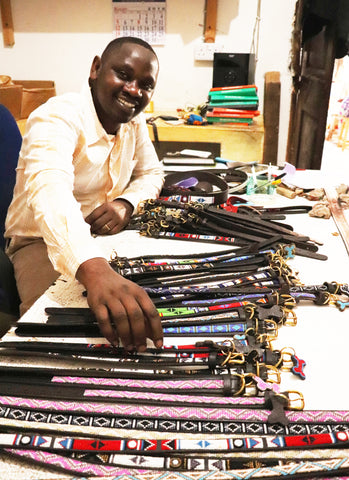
[{"x": 57, "y": 40}]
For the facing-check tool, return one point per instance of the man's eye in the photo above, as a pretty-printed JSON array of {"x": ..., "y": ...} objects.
[
  {"x": 121, "y": 74},
  {"x": 148, "y": 87}
]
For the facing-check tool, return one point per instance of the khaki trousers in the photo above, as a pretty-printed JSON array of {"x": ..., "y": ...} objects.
[{"x": 33, "y": 270}]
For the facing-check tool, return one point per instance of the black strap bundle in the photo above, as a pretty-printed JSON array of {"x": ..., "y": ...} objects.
[
  {"x": 205, "y": 185},
  {"x": 196, "y": 221}
]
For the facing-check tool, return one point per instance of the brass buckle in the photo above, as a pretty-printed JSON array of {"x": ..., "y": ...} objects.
[{"x": 295, "y": 400}]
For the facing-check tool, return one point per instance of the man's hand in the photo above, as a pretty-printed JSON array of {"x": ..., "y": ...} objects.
[
  {"x": 110, "y": 217},
  {"x": 123, "y": 309}
]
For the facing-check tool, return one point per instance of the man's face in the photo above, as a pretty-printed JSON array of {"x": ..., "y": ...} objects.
[{"x": 122, "y": 84}]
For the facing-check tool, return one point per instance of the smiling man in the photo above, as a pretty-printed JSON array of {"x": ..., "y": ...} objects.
[{"x": 85, "y": 164}]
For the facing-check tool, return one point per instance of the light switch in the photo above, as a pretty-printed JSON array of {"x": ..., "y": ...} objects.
[{"x": 204, "y": 51}]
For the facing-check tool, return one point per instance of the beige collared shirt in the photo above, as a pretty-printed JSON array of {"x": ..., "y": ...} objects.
[{"x": 68, "y": 166}]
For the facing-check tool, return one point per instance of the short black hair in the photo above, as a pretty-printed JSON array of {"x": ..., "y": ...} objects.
[{"x": 118, "y": 42}]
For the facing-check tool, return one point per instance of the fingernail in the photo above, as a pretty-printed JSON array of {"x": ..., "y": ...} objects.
[
  {"x": 141, "y": 348},
  {"x": 159, "y": 343},
  {"x": 130, "y": 348}
]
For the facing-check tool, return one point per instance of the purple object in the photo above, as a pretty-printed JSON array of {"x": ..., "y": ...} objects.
[{"x": 187, "y": 182}]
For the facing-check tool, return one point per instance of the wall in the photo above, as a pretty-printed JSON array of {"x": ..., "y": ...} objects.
[{"x": 58, "y": 40}]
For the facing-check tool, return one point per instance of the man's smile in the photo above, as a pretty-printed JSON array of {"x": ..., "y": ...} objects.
[{"x": 126, "y": 103}]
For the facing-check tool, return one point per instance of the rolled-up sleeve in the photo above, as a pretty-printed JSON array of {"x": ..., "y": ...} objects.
[
  {"x": 68, "y": 166},
  {"x": 49, "y": 175}
]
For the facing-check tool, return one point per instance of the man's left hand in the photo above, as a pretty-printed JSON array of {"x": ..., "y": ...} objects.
[{"x": 110, "y": 217}]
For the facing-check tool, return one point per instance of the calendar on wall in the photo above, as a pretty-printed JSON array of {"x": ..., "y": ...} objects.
[{"x": 144, "y": 19}]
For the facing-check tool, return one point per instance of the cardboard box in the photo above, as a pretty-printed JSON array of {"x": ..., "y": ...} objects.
[
  {"x": 34, "y": 94},
  {"x": 11, "y": 98}
]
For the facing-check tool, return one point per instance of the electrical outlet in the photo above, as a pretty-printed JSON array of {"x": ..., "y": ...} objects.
[{"x": 205, "y": 51}]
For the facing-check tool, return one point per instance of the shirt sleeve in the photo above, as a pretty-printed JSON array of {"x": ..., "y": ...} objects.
[
  {"x": 47, "y": 151},
  {"x": 148, "y": 175}
]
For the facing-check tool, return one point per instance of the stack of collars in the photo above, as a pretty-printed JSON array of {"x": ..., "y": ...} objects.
[{"x": 210, "y": 409}]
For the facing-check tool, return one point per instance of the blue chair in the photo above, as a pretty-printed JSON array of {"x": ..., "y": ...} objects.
[{"x": 10, "y": 144}]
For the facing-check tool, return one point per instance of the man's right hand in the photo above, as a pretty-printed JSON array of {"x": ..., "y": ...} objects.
[{"x": 123, "y": 310}]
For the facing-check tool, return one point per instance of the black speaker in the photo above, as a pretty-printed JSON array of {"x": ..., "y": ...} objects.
[{"x": 233, "y": 69}]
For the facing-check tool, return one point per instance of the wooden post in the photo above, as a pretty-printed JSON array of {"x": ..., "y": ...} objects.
[
  {"x": 271, "y": 114},
  {"x": 295, "y": 67},
  {"x": 7, "y": 23},
  {"x": 210, "y": 21}
]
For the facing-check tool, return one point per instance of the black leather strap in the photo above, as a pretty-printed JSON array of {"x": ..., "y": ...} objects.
[{"x": 204, "y": 188}]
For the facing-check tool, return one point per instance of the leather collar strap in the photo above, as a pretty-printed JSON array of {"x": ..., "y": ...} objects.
[
  {"x": 265, "y": 213},
  {"x": 165, "y": 359},
  {"x": 302, "y": 469},
  {"x": 235, "y": 175},
  {"x": 223, "y": 384},
  {"x": 256, "y": 412},
  {"x": 99, "y": 461},
  {"x": 231, "y": 328},
  {"x": 219, "y": 255},
  {"x": 62, "y": 319},
  {"x": 235, "y": 282},
  {"x": 202, "y": 352},
  {"x": 203, "y": 385},
  {"x": 60, "y": 414},
  {"x": 82, "y": 316},
  {"x": 166, "y": 446},
  {"x": 180, "y": 217},
  {"x": 208, "y": 188},
  {"x": 160, "y": 263},
  {"x": 237, "y": 384},
  {"x": 170, "y": 462},
  {"x": 246, "y": 408},
  {"x": 235, "y": 315}
]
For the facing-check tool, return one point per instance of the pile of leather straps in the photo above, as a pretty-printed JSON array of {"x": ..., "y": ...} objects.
[
  {"x": 250, "y": 229},
  {"x": 197, "y": 206},
  {"x": 210, "y": 408}
]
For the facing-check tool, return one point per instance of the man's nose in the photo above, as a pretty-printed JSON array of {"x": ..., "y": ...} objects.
[{"x": 132, "y": 88}]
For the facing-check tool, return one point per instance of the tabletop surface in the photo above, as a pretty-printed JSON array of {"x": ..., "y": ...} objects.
[{"x": 320, "y": 337}]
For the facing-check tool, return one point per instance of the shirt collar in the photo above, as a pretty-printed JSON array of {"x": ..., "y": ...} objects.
[{"x": 93, "y": 127}]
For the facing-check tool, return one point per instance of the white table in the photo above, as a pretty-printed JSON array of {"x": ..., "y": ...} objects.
[{"x": 320, "y": 336}]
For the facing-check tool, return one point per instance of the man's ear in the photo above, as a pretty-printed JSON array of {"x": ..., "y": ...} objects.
[{"x": 95, "y": 67}]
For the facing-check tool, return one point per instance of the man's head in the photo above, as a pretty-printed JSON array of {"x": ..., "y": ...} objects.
[{"x": 122, "y": 81}]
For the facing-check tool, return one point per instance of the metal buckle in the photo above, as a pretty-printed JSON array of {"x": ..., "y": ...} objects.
[{"x": 295, "y": 400}]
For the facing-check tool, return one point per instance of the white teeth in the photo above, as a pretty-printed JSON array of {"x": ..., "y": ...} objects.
[{"x": 126, "y": 104}]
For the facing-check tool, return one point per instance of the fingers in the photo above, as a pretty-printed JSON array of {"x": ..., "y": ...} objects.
[
  {"x": 106, "y": 229},
  {"x": 124, "y": 310},
  {"x": 109, "y": 218},
  {"x": 131, "y": 321},
  {"x": 108, "y": 329},
  {"x": 131, "y": 326},
  {"x": 101, "y": 221},
  {"x": 153, "y": 324},
  {"x": 143, "y": 321},
  {"x": 95, "y": 215},
  {"x": 104, "y": 225}
]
